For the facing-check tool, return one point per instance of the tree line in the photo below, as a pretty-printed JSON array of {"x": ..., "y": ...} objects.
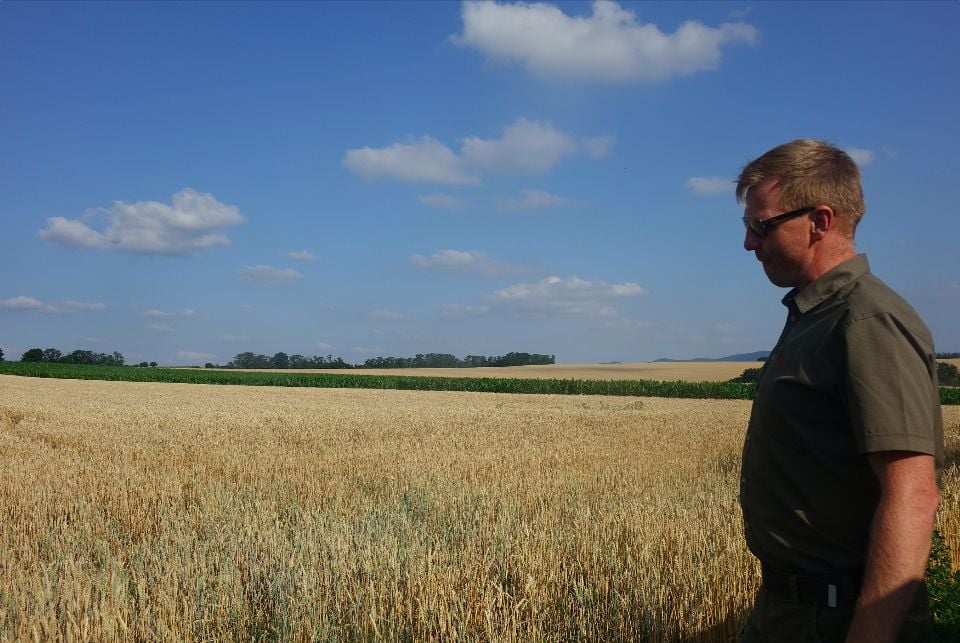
[
  {"x": 75, "y": 357},
  {"x": 282, "y": 360},
  {"x": 421, "y": 360}
]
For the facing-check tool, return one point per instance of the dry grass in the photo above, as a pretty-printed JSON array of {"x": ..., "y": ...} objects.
[
  {"x": 185, "y": 512},
  {"x": 660, "y": 371}
]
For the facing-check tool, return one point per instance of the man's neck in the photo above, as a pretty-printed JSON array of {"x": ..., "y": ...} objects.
[{"x": 826, "y": 260}]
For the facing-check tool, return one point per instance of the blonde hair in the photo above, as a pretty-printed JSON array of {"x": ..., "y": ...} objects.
[{"x": 810, "y": 172}]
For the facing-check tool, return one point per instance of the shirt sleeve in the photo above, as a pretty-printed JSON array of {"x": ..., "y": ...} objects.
[{"x": 892, "y": 392}]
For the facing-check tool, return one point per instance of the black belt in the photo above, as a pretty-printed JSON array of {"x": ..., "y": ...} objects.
[{"x": 823, "y": 591}]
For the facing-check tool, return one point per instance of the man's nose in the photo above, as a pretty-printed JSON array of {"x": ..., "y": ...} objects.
[{"x": 751, "y": 241}]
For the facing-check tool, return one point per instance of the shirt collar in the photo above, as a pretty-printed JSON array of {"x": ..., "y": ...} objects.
[{"x": 822, "y": 288}]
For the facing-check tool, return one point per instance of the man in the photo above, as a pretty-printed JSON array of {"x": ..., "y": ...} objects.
[{"x": 845, "y": 442}]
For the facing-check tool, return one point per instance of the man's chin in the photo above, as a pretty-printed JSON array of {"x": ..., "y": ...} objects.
[{"x": 775, "y": 278}]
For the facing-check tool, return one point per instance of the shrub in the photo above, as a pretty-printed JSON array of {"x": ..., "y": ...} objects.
[{"x": 749, "y": 376}]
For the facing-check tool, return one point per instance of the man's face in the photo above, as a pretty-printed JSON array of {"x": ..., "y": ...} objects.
[{"x": 785, "y": 250}]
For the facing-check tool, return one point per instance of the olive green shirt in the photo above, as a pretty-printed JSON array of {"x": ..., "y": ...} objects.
[{"x": 854, "y": 372}]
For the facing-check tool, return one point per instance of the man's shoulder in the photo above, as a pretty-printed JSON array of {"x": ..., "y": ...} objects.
[{"x": 869, "y": 297}]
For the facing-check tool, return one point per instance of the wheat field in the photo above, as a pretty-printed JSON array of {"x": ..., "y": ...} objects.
[{"x": 175, "y": 512}]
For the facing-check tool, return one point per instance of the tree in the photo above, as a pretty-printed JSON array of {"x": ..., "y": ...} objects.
[
  {"x": 52, "y": 355},
  {"x": 298, "y": 361},
  {"x": 242, "y": 360},
  {"x": 1, "y": 354},
  {"x": 81, "y": 357},
  {"x": 948, "y": 374},
  {"x": 280, "y": 360},
  {"x": 32, "y": 355},
  {"x": 249, "y": 360},
  {"x": 153, "y": 364}
]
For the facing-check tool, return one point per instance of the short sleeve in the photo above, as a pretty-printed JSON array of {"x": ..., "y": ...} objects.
[{"x": 892, "y": 393}]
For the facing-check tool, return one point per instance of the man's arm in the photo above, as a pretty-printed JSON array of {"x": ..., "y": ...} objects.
[{"x": 899, "y": 543}]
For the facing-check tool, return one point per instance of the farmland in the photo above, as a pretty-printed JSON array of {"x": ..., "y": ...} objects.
[
  {"x": 399, "y": 379},
  {"x": 142, "y": 511},
  {"x": 662, "y": 371}
]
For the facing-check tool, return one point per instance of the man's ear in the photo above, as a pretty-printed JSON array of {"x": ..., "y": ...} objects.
[{"x": 823, "y": 220}]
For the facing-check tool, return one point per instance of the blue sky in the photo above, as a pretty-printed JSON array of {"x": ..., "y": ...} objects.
[{"x": 185, "y": 181}]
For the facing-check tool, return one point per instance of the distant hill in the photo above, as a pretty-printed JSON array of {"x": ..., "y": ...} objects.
[{"x": 741, "y": 357}]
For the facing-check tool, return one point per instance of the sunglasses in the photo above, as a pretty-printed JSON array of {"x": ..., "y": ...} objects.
[{"x": 761, "y": 227}]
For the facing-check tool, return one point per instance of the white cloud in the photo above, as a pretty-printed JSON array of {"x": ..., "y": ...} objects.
[
  {"x": 82, "y": 305},
  {"x": 31, "y": 304},
  {"x": 195, "y": 357},
  {"x": 609, "y": 46},
  {"x": 860, "y": 156},
  {"x": 531, "y": 200},
  {"x": 445, "y": 201},
  {"x": 386, "y": 315},
  {"x": 159, "y": 328},
  {"x": 460, "y": 311},
  {"x": 570, "y": 297},
  {"x": 425, "y": 160},
  {"x": 73, "y": 232},
  {"x": 194, "y": 221},
  {"x": 268, "y": 275},
  {"x": 598, "y": 147},
  {"x": 157, "y": 314},
  {"x": 526, "y": 147},
  {"x": 367, "y": 349},
  {"x": 302, "y": 255},
  {"x": 236, "y": 338},
  {"x": 710, "y": 186},
  {"x": 323, "y": 345},
  {"x": 466, "y": 261},
  {"x": 164, "y": 314}
]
